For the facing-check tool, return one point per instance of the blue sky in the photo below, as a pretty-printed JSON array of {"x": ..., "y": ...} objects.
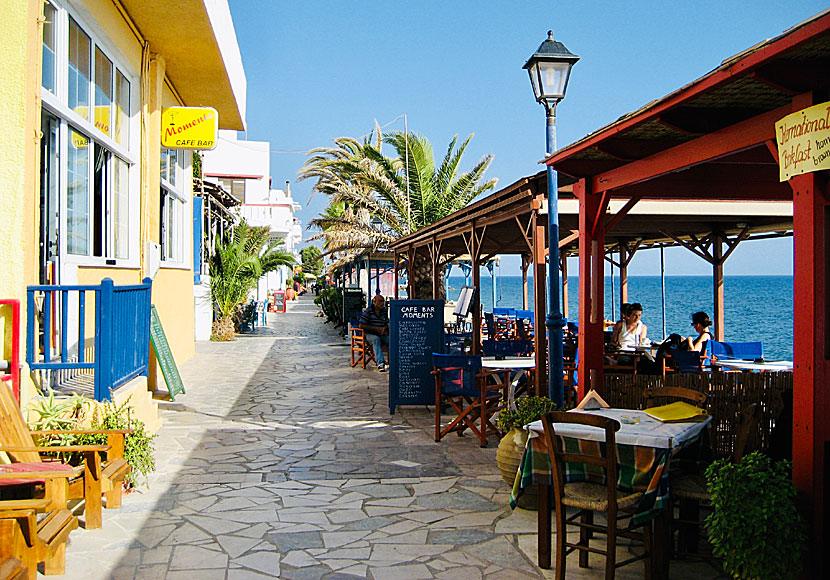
[{"x": 321, "y": 70}]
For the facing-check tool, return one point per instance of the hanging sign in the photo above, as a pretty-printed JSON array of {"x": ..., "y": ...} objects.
[
  {"x": 189, "y": 128},
  {"x": 804, "y": 141}
]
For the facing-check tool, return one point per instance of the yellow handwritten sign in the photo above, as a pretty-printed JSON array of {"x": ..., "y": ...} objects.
[
  {"x": 804, "y": 141},
  {"x": 189, "y": 128}
]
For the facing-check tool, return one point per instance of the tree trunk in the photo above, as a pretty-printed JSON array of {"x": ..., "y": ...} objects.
[
  {"x": 223, "y": 329},
  {"x": 422, "y": 279}
]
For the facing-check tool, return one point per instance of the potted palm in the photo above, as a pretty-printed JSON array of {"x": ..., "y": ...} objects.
[{"x": 512, "y": 445}]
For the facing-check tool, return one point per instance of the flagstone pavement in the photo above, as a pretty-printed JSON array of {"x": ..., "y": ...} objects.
[{"x": 282, "y": 461}]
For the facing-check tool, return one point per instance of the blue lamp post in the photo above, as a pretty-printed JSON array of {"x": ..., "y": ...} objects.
[{"x": 549, "y": 69}]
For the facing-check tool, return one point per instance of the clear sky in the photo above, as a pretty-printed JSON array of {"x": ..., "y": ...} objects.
[{"x": 325, "y": 69}]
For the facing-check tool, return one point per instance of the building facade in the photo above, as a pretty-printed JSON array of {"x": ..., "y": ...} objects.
[{"x": 89, "y": 191}]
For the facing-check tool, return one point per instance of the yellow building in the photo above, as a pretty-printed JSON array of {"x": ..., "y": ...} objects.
[{"x": 86, "y": 189}]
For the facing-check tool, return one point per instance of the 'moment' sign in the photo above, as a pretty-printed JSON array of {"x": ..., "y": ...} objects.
[
  {"x": 804, "y": 141},
  {"x": 189, "y": 128}
]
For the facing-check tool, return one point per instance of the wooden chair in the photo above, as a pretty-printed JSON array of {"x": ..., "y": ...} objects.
[
  {"x": 588, "y": 498},
  {"x": 104, "y": 466},
  {"x": 13, "y": 569},
  {"x": 461, "y": 383},
  {"x": 663, "y": 395},
  {"x": 689, "y": 490},
  {"x": 362, "y": 351},
  {"x": 29, "y": 540}
]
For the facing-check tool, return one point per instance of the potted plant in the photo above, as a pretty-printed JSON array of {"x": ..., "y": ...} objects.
[
  {"x": 754, "y": 526},
  {"x": 512, "y": 445}
]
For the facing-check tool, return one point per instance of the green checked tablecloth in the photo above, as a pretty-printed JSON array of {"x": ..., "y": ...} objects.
[{"x": 644, "y": 449}]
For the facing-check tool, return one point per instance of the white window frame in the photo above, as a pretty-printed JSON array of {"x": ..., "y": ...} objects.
[
  {"x": 178, "y": 194},
  {"x": 56, "y": 103}
]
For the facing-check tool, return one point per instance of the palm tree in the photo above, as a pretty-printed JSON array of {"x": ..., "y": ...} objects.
[
  {"x": 405, "y": 193},
  {"x": 240, "y": 259}
]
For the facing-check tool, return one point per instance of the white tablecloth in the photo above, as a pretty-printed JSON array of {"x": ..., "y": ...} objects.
[
  {"x": 510, "y": 362},
  {"x": 646, "y": 432},
  {"x": 748, "y": 365}
]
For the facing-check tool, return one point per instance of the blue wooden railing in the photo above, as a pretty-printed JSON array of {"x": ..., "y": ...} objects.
[{"x": 121, "y": 343}]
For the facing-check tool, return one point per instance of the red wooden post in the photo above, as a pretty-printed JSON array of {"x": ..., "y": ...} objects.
[
  {"x": 811, "y": 395},
  {"x": 591, "y": 290}
]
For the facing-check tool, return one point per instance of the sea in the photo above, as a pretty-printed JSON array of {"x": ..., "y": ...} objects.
[{"x": 756, "y": 307}]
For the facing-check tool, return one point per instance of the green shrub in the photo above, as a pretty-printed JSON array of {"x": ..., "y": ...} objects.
[
  {"x": 755, "y": 527},
  {"x": 528, "y": 409}
]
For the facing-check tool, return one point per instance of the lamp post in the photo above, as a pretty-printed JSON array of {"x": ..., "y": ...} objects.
[{"x": 549, "y": 69}]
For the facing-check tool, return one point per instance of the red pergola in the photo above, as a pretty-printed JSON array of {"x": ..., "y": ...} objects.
[{"x": 714, "y": 139}]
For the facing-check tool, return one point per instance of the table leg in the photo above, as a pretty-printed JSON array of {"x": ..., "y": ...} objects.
[
  {"x": 661, "y": 538},
  {"x": 543, "y": 525}
]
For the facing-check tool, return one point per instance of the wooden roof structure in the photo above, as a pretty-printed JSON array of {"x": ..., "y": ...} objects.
[{"x": 714, "y": 140}]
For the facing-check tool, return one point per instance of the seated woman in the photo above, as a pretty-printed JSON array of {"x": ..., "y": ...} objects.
[
  {"x": 701, "y": 323},
  {"x": 630, "y": 331}
]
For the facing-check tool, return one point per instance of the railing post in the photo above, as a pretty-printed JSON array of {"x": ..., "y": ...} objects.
[
  {"x": 144, "y": 328},
  {"x": 103, "y": 341}
]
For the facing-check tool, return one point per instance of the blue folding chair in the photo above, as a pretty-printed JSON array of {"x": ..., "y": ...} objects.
[
  {"x": 525, "y": 315},
  {"x": 460, "y": 382},
  {"x": 736, "y": 350},
  {"x": 509, "y": 312},
  {"x": 502, "y": 348}
]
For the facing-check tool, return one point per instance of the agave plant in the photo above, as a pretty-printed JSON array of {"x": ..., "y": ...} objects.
[
  {"x": 405, "y": 192},
  {"x": 240, "y": 259}
]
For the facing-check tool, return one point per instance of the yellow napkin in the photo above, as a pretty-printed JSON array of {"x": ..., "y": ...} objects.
[{"x": 677, "y": 412}]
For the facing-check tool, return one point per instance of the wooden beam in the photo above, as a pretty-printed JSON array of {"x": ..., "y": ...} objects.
[
  {"x": 732, "y": 139},
  {"x": 717, "y": 279},
  {"x": 612, "y": 223}
]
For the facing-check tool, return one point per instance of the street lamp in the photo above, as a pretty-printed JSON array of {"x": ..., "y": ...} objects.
[{"x": 549, "y": 69}]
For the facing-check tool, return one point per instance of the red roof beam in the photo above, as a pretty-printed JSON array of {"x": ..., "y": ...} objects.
[
  {"x": 727, "y": 141},
  {"x": 723, "y": 74}
]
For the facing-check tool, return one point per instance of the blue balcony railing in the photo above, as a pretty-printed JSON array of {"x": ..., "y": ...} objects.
[{"x": 116, "y": 350}]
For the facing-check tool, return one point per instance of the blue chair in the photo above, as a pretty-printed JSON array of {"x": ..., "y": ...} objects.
[
  {"x": 509, "y": 312},
  {"x": 685, "y": 361},
  {"x": 525, "y": 315},
  {"x": 503, "y": 348},
  {"x": 460, "y": 382},
  {"x": 736, "y": 350}
]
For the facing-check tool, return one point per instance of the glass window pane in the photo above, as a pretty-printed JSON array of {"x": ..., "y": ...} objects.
[
  {"x": 79, "y": 70},
  {"x": 49, "y": 28},
  {"x": 172, "y": 166},
  {"x": 103, "y": 92},
  {"x": 122, "y": 108},
  {"x": 77, "y": 200},
  {"x": 171, "y": 228},
  {"x": 100, "y": 200},
  {"x": 163, "y": 163},
  {"x": 120, "y": 208}
]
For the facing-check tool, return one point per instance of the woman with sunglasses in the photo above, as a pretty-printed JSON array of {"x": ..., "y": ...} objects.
[{"x": 701, "y": 323}]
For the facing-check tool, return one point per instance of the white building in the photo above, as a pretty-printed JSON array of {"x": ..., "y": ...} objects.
[{"x": 243, "y": 169}]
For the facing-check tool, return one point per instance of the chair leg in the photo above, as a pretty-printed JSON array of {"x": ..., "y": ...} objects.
[
  {"x": 587, "y": 517},
  {"x": 611, "y": 550},
  {"x": 561, "y": 538}
]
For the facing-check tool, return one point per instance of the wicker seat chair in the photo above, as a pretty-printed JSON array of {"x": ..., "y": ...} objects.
[{"x": 588, "y": 498}]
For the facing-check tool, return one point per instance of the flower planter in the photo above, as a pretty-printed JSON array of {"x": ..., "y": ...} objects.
[{"x": 509, "y": 457}]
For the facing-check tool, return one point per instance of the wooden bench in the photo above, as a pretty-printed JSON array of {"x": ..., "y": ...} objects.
[
  {"x": 27, "y": 540},
  {"x": 104, "y": 466},
  {"x": 12, "y": 569}
]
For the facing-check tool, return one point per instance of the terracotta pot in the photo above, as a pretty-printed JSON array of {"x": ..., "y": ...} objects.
[{"x": 508, "y": 457}]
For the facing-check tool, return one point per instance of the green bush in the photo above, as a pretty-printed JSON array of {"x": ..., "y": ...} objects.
[
  {"x": 755, "y": 527},
  {"x": 528, "y": 409}
]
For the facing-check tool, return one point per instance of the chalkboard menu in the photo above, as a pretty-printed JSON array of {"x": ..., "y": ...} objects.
[
  {"x": 164, "y": 355},
  {"x": 416, "y": 330},
  {"x": 354, "y": 301}
]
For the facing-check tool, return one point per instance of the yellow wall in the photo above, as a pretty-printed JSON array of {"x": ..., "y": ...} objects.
[{"x": 20, "y": 39}]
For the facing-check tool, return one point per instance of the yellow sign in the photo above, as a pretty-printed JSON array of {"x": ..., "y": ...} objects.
[
  {"x": 804, "y": 141},
  {"x": 189, "y": 128}
]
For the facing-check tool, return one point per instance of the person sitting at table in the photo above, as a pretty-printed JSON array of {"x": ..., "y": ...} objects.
[
  {"x": 701, "y": 323},
  {"x": 630, "y": 331},
  {"x": 375, "y": 325}
]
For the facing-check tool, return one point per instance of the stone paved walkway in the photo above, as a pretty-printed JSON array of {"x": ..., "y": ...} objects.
[{"x": 281, "y": 461}]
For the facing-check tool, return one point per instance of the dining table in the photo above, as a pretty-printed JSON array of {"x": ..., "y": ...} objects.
[
  {"x": 644, "y": 447},
  {"x": 753, "y": 365}
]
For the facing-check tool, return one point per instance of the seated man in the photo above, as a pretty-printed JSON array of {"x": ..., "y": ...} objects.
[{"x": 375, "y": 325}]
